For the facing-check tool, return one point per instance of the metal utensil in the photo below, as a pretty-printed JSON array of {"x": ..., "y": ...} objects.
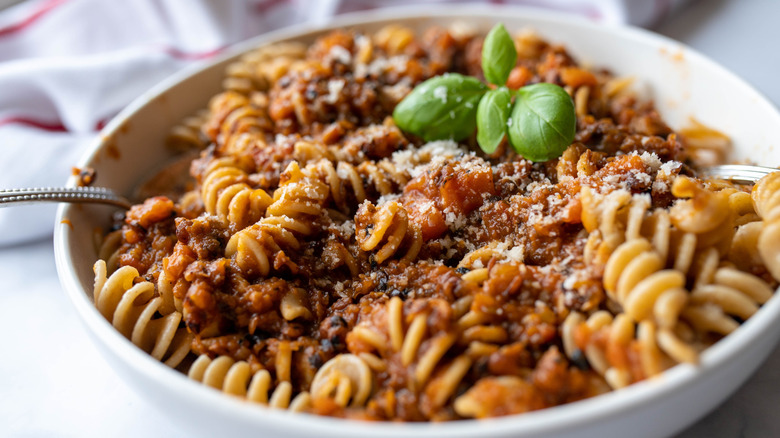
[
  {"x": 739, "y": 173},
  {"x": 101, "y": 195}
]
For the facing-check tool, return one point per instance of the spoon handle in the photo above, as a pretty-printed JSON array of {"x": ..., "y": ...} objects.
[{"x": 101, "y": 195}]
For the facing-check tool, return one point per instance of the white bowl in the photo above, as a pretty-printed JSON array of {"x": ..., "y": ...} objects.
[{"x": 683, "y": 84}]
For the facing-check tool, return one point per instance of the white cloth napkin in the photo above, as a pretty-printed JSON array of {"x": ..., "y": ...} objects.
[{"x": 67, "y": 66}]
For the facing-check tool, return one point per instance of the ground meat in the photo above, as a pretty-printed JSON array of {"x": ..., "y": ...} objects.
[{"x": 447, "y": 271}]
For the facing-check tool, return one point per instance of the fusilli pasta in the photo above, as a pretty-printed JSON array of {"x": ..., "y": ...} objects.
[
  {"x": 325, "y": 261},
  {"x": 132, "y": 308},
  {"x": 237, "y": 379}
]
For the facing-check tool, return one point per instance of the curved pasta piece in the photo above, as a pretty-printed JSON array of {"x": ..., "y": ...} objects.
[
  {"x": 386, "y": 230},
  {"x": 346, "y": 378},
  {"x": 236, "y": 378},
  {"x": 618, "y": 217},
  {"x": 132, "y": 308},
  {"x": 254, "y": 248},
  {"x": 418, "y": 349},
  {"x": 293, "y": 305},
  {"x": 766, "y": 199},
  {"x": 187, "y": 135},
  {"x": 258, "y": 69},
  {"x": 705, "y": 210},
  {"x": 165, "y": 288},
  {"x": 227, "y": 195},
  {"x": 393, "y": 38},
  {"x": 744, "y": 247},
  {"x": 292, "y": 215},
  {"x": 236, "y": 122},
  {"x": 610, "y": 344},
  {"x": 300, "y": 195},
  {"x": 350, "y": 185},
  {"x": 635, "y": 278},
  {"x": 496, "y": 250},
  {"x": 109, "y": 250}
]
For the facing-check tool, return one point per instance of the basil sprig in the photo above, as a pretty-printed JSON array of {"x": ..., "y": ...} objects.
[
  {"x": 539, "y": 120},
  {"x": 441, "y": 107}
]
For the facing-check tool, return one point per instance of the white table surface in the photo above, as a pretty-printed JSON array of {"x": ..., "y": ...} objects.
[{"x": 53, "y": 382}]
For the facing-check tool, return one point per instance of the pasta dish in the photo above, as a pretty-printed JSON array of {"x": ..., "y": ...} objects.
[{"x": 327, "y": 261}]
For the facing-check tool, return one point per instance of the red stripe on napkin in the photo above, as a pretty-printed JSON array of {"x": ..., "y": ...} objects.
[
  {"x": 45, "y": 8},
  {"x": 38, "y": 124},
  {"x": 52, "y": 126}
]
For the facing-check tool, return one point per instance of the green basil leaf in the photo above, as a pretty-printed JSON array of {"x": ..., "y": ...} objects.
[
  {"x": 498, "y": 55},
  {"x": 443, "y": 107},
  {"x": 492, "y": 116},
  {"x": 543, "y": 122}
]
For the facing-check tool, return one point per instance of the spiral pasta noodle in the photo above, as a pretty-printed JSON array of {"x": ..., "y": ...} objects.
[
  {"x": 766, "y": 198},
  {"x": 732, "y": 293},
  {"x": 346, "y": 378},
  {"x": 706, "y": 145},
  {"x": 393, "y": 38},
  {"x": 416, "y": 347},
  {"x": 236, "y": 122},
  {"x": 387, "y": 231},
  {"x": 613, "y": 343},
  {"x": 237, "y": 379},
  {"x": 295, "y": 206},
  {"x": 351, "y": 185},
  {"x": 109, "y": 250},
  {"x": 706, "y": 213},
  {"x": 635, "y": 278},
  {"x": 650, "y": 280},
  {"x": 259, "y": 69},
  {"x": 131, "y": 307},
  {"x": 188, "y": 134},
  {"x": 305, "y": 152},
  {"x": 226, "y": 194}
]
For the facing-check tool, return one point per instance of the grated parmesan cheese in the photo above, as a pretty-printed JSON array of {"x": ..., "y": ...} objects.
[
  {"x": 346, "y": 229},
  {"x": 650, "y": 160},
  {"x": 335, "y": 86},
  {"x": 641, "y": 177},
  {"x": 454, "y": 221},
  {"x": 515, "y": 254},
  {"x": 669, "y": 167},
  {"x": 388, "y": 198},
  {"x": 413, "y": 160},
  {"x": 340, "y": 54}
]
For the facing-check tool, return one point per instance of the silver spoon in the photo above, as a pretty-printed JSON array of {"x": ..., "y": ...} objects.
[{"x": 739, "y": 173}]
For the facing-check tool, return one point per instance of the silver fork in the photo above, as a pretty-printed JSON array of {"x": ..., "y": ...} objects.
[{"x": 739, "y": 173}]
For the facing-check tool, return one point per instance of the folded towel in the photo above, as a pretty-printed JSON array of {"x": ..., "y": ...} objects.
[{"x": 68, "y": 66}]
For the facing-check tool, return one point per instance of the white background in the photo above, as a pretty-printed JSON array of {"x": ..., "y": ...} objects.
[{"x": 53, "y": 383}]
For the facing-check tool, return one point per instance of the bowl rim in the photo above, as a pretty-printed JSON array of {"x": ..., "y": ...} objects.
[{"x": 547, "y": 420}]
